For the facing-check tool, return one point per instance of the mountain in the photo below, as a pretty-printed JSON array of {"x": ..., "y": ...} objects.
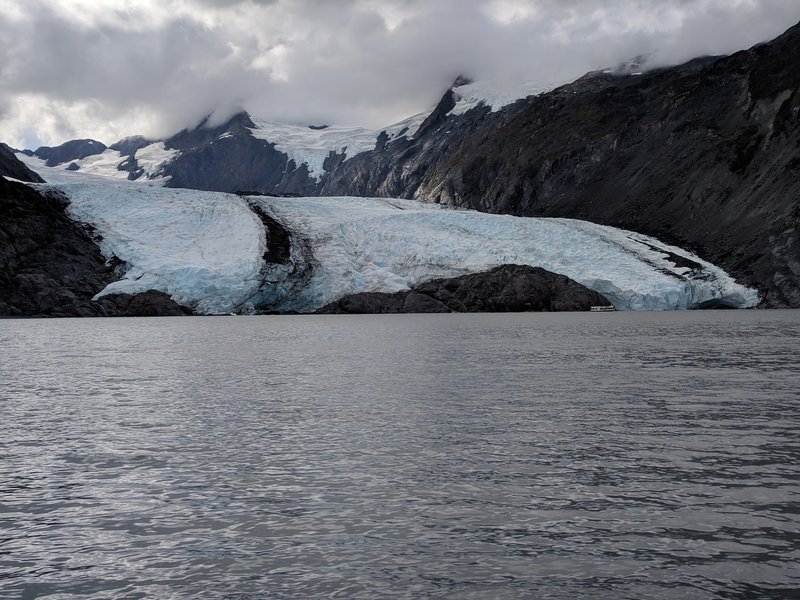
[
  {"x": 243, "y": 153},
  {"x": 11, "y": 166},
  {"x": 68, "y": 152},
  {"x": 702, "y": 155}
]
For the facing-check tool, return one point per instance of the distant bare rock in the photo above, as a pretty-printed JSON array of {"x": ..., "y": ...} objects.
[
  {"x": 11, "y": 166},
  {"x": 508, "y": 288},
  {"x": 69, "y": 151}
]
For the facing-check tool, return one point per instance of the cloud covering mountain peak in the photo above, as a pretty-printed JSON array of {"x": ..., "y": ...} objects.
[{"x": 98, "y": 68}]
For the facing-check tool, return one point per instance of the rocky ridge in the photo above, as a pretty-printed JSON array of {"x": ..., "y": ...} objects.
[
  {"x": 508, "y": 288},
  {"x": 10, "y": 166},
  {"x": 52, "y": 266}
]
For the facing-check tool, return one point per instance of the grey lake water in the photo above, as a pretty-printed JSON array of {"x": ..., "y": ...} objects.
[{"x": 616, "y": 455}]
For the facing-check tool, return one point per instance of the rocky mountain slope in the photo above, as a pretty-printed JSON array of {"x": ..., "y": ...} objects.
[
  {"x": 10, "y": 166},
  {"x": 52, "y": 266}
]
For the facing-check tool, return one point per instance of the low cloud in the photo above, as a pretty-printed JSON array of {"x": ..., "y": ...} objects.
[{"x": 104, "y": 69}]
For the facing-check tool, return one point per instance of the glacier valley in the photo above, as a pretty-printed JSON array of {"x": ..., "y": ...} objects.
[{"x": 210, "y": 251}]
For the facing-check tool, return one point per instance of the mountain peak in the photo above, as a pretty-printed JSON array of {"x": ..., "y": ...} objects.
[
  {"x": 460, "y": 81},
  {"x": 69, "y": 151}
]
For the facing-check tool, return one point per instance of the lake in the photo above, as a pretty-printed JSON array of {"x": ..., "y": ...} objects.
[{"x": 610, "y": 455}]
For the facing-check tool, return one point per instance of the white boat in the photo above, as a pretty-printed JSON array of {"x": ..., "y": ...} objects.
[{"x": 608, "y": 308}]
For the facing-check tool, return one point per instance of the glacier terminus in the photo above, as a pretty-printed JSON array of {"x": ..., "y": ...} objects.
[{"x": 209, "y": 251}]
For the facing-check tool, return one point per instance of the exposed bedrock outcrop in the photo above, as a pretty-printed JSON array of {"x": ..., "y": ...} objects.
[
  {"x": 227, "y": 158},
  {"x": 69, "y": 151},
  {"x": 11, "y": 166},
  {"x": 508, "y": 288},
  {"x": 151, "y": 303},
  {"x": 52, "y": 266}
]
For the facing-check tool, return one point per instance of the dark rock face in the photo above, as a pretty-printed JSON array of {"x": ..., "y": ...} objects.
[
  {"x": 509, "y": 288},
  {"x": 151, "y": 303},
  {"x": 11, "y": 166},
  {"x": 129, "y": 145},
  {"x": 237, "y": 161},
  {"x": 69, "y": 151},
  {"x": 51, "y": 266}
]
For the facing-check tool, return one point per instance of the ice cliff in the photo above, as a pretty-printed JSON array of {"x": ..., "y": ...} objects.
[{"x": 207, "y": 250}]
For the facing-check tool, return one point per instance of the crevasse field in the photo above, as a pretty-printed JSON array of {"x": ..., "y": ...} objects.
[{"x": 206, "y": 250}]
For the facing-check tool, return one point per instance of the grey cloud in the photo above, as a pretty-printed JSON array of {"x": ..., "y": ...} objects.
[{"x": 348, "y": 61}]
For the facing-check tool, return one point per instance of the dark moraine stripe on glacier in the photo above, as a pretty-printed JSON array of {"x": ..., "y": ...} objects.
[{"x": 279, "y": 239}]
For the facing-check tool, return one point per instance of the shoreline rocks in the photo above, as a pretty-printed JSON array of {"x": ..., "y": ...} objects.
[{"x": 508, "y": 288}]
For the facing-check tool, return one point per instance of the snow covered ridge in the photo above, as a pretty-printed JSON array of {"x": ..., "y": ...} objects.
[
  {"x": 495, "y": 95},
  {"x": 151, "y": 160},
  {"x": 312, "y": 145},
  {"x": 301, "y": 143},
  {"x": 206, "y": 250}
]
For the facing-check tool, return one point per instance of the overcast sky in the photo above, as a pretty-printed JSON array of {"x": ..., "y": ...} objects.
[{"x": 107, "y": 68}]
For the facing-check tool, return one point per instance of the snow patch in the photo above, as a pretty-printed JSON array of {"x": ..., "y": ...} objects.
[
  {"x": 154, "y": 158},
  {"x": 311, "y": 147},
  {"x": 496, "y": 95},
  {"x": 97, "y": 168}
]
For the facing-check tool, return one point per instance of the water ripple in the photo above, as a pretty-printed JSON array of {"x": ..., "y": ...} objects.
[{"x": 496, "y": 456}]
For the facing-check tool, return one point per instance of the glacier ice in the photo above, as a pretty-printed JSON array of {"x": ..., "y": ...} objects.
[
  {"x": 154, "y": 158},
  {"x": 206, "y": 249},
  {"x": 350, "y": 245},
  {"x": 497, "y": 94}
]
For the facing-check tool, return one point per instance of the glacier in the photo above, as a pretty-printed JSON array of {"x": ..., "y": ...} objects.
[
  {"x": 203, "y": 249},
  {"x": 379, "y": 245},
  {"x": 206, "y": 250},
  {"x": 497, "y": 94}
]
